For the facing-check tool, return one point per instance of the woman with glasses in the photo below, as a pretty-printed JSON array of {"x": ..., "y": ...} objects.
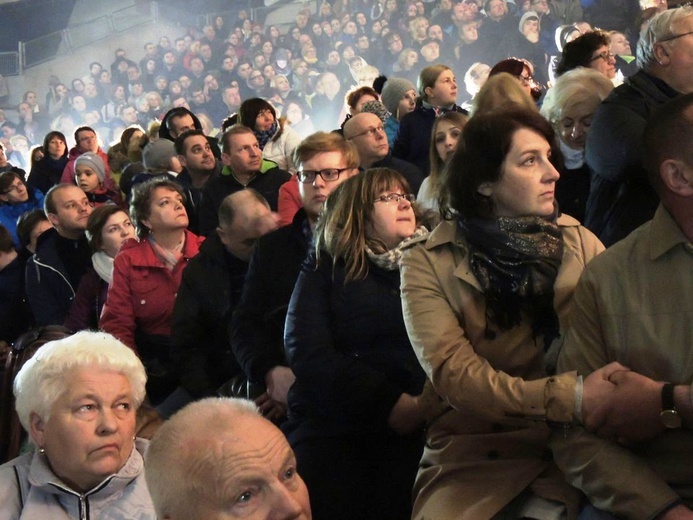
[
  {"x": 591, "y": 50},
  {"x": 355, "y": 409},
  {"x": 523, "y": 71},
  {"x": 16, "y": 198},
  {"x": 569, "y": 106},
  {"x": 485, "y": 301}
]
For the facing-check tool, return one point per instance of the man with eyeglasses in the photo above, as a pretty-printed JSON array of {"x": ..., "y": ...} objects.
[
  {"x": 366, "y": 131},
  {"x": 390, "y": 56},
  {"x": 256, "y": 81},
  {"x": 324, "y": 161},
  {"x": 86, "y": 141},
  {"x": 621, "y": 198}
]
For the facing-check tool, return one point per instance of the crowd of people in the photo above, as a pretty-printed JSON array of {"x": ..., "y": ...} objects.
[{"x": 454, "y": 304}]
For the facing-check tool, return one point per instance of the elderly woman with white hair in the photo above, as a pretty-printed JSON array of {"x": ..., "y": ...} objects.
[
  {"x": 78, "y": 398},
  {"x": 569, "y": 106}
]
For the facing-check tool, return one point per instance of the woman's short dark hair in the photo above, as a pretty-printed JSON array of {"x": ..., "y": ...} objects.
[
  {"x": 50, "y": 136},
  {"x": 26, "y": 224},
  {"x": 96, "y": 222},
  {"x": 579, "y": 52},
  {"x": 479, "y": 157},
  {"x": 7, "y": 178},
  {"x": 140, "y": 205},
  {"x": 250, "y": 108},
  {"x": 353, "y": 96}
]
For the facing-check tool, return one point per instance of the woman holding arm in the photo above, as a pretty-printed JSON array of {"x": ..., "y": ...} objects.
[
  {"x": 354, "y": 411},
  {"x": 483, "y": 301}
]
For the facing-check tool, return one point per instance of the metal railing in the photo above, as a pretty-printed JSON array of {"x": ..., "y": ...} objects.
[{"x": 49, "y": 46}]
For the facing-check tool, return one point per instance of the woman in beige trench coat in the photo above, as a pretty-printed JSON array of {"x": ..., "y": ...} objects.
[{"x": 484, "y": 299}]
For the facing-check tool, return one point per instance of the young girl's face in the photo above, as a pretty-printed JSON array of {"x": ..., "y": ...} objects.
[
  {"x": 446, "y": 139},
  {"x": 86, "y": 178}
]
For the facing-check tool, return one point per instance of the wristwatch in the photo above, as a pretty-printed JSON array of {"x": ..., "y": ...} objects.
[{"x": 669, "y": 415}]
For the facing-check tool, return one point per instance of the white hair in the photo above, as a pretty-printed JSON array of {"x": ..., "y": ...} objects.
[
  {"x": 42, "y": 379},
  {"x": 576, "y": 86},
  {"x": 180, "y": 465},
  {"x": 660, "y": 28}
]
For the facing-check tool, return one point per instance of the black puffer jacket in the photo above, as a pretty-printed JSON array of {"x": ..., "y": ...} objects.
[{"x": 621, "y": 197}]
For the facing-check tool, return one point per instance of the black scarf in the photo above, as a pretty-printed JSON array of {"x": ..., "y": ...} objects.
[{"x": 516, "y": 261}]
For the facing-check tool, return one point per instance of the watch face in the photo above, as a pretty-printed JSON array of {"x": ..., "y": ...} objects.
[{"x": 670, "y": 418}]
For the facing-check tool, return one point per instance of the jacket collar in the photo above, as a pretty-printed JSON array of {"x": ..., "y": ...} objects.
[
  {"x": 664, "y": 233},
  {"x": 146, "y": 256},
  {"x": 264, "y": 167},
  {"x": 41, "y": 475}
]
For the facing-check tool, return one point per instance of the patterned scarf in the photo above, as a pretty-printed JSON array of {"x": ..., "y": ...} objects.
[
  {"x": 263, "y": 136},
  {"x": 516, "y": 261},
  {"x": 169, "y": 258},
  {"x": 390, "y": 259}
]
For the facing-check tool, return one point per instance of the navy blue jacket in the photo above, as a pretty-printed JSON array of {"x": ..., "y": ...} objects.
[
  {"x": 257, "y": 328},
  {"x": 349, "y": 349},
  {"x": 48, "y": 288}
]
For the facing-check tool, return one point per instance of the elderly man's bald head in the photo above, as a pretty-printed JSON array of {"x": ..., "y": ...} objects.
[{"x": 220, "y": 455}]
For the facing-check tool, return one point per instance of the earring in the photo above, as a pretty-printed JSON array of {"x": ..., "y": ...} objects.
[{"x": 42, "y": 451}]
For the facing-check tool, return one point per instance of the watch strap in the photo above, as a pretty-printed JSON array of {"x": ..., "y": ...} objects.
[{"x": 668, "y": 397}]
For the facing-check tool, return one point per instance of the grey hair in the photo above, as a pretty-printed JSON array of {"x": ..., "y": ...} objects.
[
  {"x": 179, "y": 460},
  {"x": 575, "y": 86},
  {"x": 43, "y": 379},
  {"x": 660, "y": 28}
]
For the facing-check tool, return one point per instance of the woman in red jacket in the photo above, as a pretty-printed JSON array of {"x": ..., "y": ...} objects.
[{"x": 146, "y": 277}]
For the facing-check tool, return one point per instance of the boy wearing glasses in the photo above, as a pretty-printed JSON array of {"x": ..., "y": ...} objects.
[{"x": 324, "y": 161}]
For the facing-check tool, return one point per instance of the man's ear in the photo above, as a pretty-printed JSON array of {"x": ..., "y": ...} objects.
[
  {"x": 661, "y": 54},
  {"x": 485, "y": 189},
  {"x": 677, "y": 177},
  {"x": 54, "y": 219},
  {"x": 183, "y": 161}
]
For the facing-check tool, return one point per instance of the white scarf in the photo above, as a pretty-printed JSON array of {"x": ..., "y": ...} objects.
[
  {"x": 103, "y": 265},
  {"x": 574, "y": 159}
]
